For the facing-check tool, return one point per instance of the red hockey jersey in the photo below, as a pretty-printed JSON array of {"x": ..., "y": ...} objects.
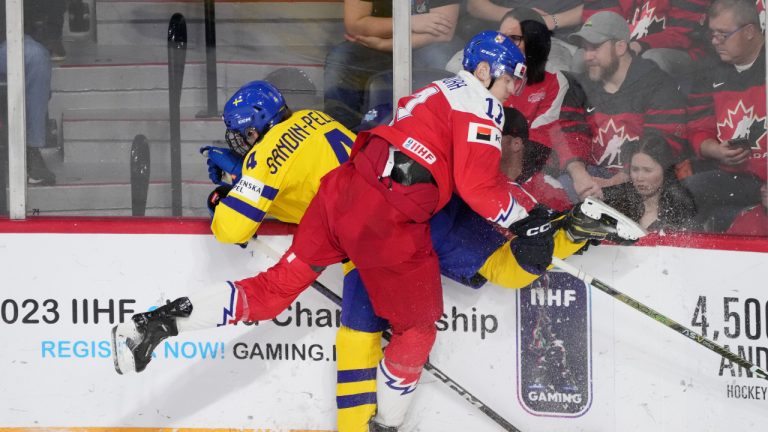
[
  {"x": 452, "y": 127},
  {"x": 554, "y": 109}
]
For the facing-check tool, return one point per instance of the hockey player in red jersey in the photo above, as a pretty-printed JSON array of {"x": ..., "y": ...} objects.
[{"x": 375, "y": 210}]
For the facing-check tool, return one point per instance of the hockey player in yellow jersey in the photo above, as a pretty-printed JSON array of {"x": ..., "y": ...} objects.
[{"x": 276, "y": 158}]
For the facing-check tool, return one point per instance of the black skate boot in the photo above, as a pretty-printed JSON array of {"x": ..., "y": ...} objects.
[
  {"x": 134, "y": 341},
  {"x": 378, "y": 427},
  {"x": 596, "y": 220}
]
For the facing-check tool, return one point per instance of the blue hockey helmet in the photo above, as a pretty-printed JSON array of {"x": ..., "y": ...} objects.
[
  {"x": 499, "y": 51},
  {"x": 250, "y": 113}
]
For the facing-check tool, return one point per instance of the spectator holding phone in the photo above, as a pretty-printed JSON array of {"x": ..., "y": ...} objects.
[{"x": 726, "y": 116}]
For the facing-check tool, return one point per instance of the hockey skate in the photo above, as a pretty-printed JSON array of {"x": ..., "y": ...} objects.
[
  {"x": 134, "y": 341},
  {"x": 596, "y": 220},
  {"x": 378, "y": 427}
]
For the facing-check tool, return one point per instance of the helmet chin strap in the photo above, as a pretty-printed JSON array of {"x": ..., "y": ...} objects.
[{"x": 493, "y": 80}]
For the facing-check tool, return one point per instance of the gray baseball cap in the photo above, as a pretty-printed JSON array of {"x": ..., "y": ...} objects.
[{"x": 601, "y": 27}]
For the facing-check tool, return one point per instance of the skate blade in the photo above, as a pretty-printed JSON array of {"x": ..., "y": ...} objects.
[
  {"x": 121, "y": 353},
  {"x": 625, "y": 227}
]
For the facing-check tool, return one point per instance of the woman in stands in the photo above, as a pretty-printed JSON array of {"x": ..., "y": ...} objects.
[{"x": 654, "y": 197}]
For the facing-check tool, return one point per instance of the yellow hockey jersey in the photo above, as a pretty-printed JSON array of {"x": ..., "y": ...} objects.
[{"x": 281, "y": 174}]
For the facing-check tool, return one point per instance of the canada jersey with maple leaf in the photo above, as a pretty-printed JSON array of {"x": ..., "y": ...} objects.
[
  {"x": 726, "y": 104},
  {"x": 646, "y": 102}
]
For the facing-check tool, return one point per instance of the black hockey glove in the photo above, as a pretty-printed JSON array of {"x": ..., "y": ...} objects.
[
  {"x": 216, "y": 196},
  {"x": 534, "y": 245}
]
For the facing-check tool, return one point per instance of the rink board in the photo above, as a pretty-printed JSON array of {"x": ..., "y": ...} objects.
[{"x": 61, "y": 294}]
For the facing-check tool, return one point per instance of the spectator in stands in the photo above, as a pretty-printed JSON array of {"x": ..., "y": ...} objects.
[
  {"x": 561, "y": 17},
  {"x": 368, "y": 49},
  {"x": 661, "y": 31},
  {"x": 654, "y": 197},
  {"x": 627, "y": 97},
  {"x": 553, "y": 103},
  {"x": 754, "y": 220},
  {"x": 37, "y": 67},
  {"x": 46, "y": 18},
  {"x": 726, "y": 116}
]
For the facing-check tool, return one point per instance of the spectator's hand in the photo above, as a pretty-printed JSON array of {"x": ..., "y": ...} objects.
[
  {"x": 723, "y": 153},
  {"x": 618, "y": 178},
  {"x": 432, "y": 23},
  {"x": 546, "y": 16},
  {"x": 220, "y": 161},
  {"x": 374, "y": 42},
  {"x": 636, "y": 47},
  {"x": 736, "y": 155},
  {"x": 350, "y": 37},
  {"x": 586, "y": 186}
]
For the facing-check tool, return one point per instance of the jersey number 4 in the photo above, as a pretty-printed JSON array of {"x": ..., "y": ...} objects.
[{"x": 338, "y": 140}]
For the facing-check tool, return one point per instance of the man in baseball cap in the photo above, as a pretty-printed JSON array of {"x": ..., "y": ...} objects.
[
  {"x": 600, "y": 28},
  {"x": 602, "y": 59},
  {"x": 627, "y": 96}
]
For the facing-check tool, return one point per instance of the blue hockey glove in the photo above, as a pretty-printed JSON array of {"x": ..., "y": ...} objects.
[
  {"x": 534, "y": 245},
  {"x": 221, "y": 160}
]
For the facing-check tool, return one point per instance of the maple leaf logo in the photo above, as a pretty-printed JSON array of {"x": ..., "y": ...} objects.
[
  {"x": 741, "y": 122},
  {"x": 645, "y": 22},
  {"x": 610, "y": 140}
]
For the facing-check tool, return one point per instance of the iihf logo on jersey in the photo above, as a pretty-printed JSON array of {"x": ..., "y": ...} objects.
[{"x": 554, "y": 358}]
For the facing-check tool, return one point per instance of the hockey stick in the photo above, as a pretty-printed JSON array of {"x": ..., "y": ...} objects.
[
  {"x": 435, "y": 371},
  {"x": 674, "y": 325}
]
